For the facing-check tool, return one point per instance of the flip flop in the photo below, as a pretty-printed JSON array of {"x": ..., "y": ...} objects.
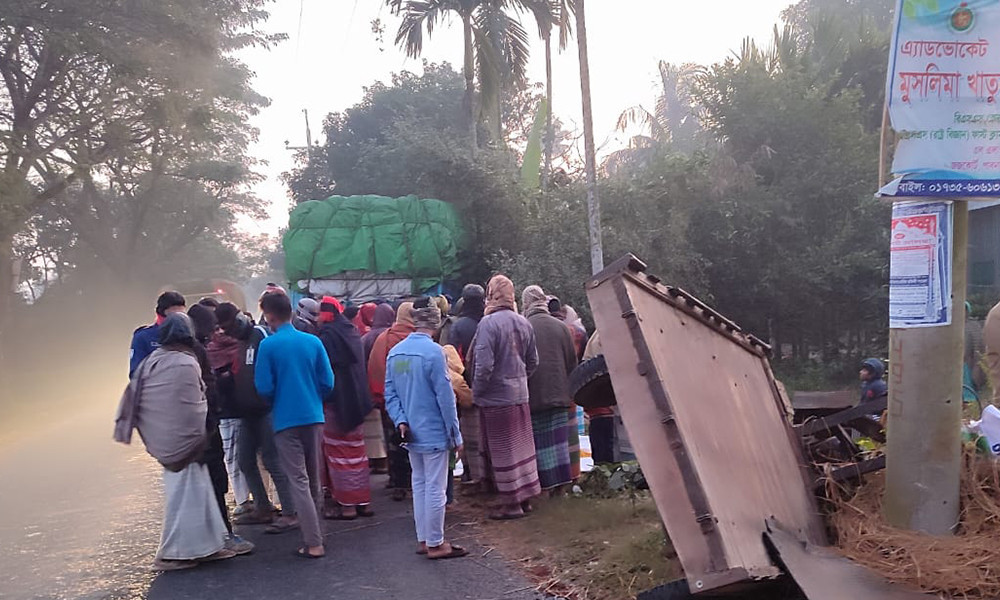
[
  {"x": 456, "y": 552},
  {"x": 255, "y": 519},
  {"x": 507, "y": 516},
  {"x": 338, "y": 516},
  {"x": 365, "y": 512},
  {"x": 304, "y": 553},
  {"x": 277, "y": 528}
]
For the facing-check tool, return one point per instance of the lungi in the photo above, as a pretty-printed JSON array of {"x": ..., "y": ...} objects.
[
  {"x": 346, "y": 471},
  {"x": 551, "y": 432},
  {"x": 508, "y": 448},
  {"x": 192, "y": 525}
]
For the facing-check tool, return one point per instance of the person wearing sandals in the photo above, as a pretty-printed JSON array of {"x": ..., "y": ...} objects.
[
  {"x": 294, "y": 372},
  {"x": 420, "y": 400},
  {"x": 169, "y": 408}
]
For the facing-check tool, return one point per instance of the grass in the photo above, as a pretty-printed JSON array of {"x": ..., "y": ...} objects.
[{"x": 585, "y": 548}]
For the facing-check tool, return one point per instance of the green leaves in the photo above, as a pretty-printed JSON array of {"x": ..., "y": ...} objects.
[{"x": 531, "y": 163}]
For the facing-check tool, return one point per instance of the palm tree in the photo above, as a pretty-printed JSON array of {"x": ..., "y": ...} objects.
[
  {"x": 558, "y": 14},
  {"x": 496, "y": 44},
  {"x": 593, "y": 202},
  {"x": 674, "y": 120}
]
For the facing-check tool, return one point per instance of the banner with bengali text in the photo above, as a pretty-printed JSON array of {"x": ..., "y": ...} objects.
[{"x": 943, "y": 90}]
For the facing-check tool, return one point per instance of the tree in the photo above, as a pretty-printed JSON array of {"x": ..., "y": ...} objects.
[
  {"x": 403, "y": 139},
  {"x": 87, "y": 86},
  {"x": 593, "y": 201},
  {"x": 495, "y": 45},
  {"x": 562, "y": 13}
]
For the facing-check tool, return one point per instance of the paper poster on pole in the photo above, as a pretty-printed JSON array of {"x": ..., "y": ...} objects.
[
  {"x": 920, "y": 264},
  {"x": 943, "y": 94}
]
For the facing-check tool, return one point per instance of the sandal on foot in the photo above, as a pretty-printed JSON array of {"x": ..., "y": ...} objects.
[
  {"x": 220, "y": 555},
  {"x": 365, "y": 511},
  {"x": 500, "y": 516},
  {"x": 338, "y": 515},
  {"x": 279, "y": 527},
  {"x": 255, "y": 518},
  {"x": 304, "y": 553},
  {"x": 161, "y": 565},
  {"x": 456, "y": 552}
]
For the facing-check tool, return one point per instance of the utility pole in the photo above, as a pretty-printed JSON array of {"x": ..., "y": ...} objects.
[
  {"x": 924, "y": 453},
  {"x": 309, "y": 138},
  {"x": 593, "y": 201}
]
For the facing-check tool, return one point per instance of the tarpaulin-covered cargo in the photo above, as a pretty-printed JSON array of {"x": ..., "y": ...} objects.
[{"x": 363, "y": 247}]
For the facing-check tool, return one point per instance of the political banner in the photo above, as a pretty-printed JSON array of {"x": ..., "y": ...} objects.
[{"x": 943, "y": 92}]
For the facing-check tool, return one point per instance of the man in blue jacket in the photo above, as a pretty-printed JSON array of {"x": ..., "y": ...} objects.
[
  {"x": 420, "y": 400},
  {"x": 294, "y": 372},
  {"x": 146, "y": 339}
]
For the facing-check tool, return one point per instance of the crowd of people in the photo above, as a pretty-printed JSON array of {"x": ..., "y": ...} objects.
[{"x": 321, "y": 395}]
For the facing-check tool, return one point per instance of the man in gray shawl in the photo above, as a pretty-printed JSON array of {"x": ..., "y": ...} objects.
[{"x": 169, "y": 410}]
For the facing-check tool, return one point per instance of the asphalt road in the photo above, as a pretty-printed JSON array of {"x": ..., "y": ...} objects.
[{"x": 80, "y": 517}]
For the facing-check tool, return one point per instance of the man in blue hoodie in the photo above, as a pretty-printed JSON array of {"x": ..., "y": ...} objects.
[
  {"x": 420, "y": 400},
  {"x": 294, "y": 372},
  {"x": 873, "y": 386},
  {"x": 146, "y": 339}
]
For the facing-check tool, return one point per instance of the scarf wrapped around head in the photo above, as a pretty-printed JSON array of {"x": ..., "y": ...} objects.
[
  {"x": 500, "y": 295},
  {"x": 177, "y": 330},
  {"x": 428, "y": 317},
  {"x": 534, "y": 301},
  {"x": 404, "y": 314},
  {"x": 329, "y": 308}
]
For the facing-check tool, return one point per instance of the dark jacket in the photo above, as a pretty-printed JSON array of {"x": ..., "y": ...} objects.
[
  {"x": 304, "y": 325},
  {"x": 236, "y": 382},
  {"x": 503, "y": 357},
  {"x": 144, "y": 340},
  {"x": 875, "y": 387},
  {"x": 382, "y": 320},
  {"x": 464, "y": 329},
  {"x": 548, "y": 386},
  {"x": 350, "y": 399}
]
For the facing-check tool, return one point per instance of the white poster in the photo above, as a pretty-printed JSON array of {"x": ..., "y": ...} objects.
[{"x": 920, "y": 264}]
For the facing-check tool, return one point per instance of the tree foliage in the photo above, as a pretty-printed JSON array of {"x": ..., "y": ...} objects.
[{"x": 124, "y": 127}]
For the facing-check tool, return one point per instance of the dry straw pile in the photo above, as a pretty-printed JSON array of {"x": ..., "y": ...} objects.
[{"x": 964, "y": 566}]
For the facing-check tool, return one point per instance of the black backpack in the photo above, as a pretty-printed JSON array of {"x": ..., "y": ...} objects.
[{"x": 246, "y": 402}]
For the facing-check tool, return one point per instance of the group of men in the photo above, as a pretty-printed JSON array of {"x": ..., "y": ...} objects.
[{"x": 315, "y": 392}]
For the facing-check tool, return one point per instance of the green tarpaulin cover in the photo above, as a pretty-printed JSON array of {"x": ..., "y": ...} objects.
[{"x": 409, "y": 237}]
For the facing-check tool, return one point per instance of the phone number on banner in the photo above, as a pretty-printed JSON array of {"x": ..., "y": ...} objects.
[{"x": 948, "y": 187}]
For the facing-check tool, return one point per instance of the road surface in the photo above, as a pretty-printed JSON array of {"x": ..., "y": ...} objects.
[{"x": 80, "y": 517}]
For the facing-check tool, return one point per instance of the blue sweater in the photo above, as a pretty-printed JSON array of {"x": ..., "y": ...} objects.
[
  {"x": 418, "y": 392},
  {"x": 294, "y": 372}
]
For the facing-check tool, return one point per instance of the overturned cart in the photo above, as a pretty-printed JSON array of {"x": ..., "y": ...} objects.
[{"x": 710, "y": 426}]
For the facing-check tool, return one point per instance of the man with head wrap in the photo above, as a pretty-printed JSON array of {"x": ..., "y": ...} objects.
[
  {"x": 503, "y": 357},
  {"x": 171, "y": 410},
  {"x": 399, "y": 464},
  {"x": 421, "y": 403},
  {"x": 548, "y": 390}
]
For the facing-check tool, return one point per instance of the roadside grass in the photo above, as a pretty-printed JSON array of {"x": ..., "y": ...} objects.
[{"x": 584, "y": 548}]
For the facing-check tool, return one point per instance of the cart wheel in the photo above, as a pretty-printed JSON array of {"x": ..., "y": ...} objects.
[{"x": 590, "y": 384}]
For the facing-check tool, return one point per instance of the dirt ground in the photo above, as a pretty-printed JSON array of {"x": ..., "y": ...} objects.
[{"x": 582, "y": 548}]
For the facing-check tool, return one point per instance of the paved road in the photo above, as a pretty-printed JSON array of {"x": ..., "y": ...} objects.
[{"x": 79, "y": 518}]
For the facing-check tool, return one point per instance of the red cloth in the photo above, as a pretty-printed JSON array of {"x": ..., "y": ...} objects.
[
  {"x": 365, "y": 317},
  {"x": 222, "y": 350},
  {"x": 326, "y": 315},
  {"x": 345, "y": 463},
  {"x": 380, "y": 355}
]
